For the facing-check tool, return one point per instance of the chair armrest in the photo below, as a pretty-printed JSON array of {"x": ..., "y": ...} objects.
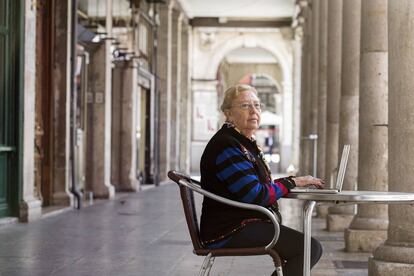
[{"x": 267, "y": 212}]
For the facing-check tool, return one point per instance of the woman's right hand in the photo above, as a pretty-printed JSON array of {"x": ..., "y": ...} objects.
[{"x": 303, "y": 181}]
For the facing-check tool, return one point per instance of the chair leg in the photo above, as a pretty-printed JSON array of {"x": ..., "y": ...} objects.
[
  {"x": 279, "y": 271},
  {"x": 210, "y": 265},
  {"x": 206, "y": 266},
  {"x": 277, "y": 262}
]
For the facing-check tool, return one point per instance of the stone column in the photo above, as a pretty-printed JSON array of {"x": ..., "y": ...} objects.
[
  {"x": 291, "y": 209},
  {"x": 180, "y": 95},
  {"x": 313, "y": 118},
  {"x": 184, "y": 114},
  {"x": 396, "y": 255},
  {"x": 30, "y": 205},
  {"x": 322, "y": 85},
  {"x": 124, "y": 116},
  {"x": 305, "y": 167},
  {"x": 108, "y": 102},
  {"x": 368, "y": 229},
  {"x": 97, "y": 168},
  {"x": 322, "y": 210},
  {"x": 315, "y": 65},
  {"x": 341, "y": 216},
  {"x": 174, "y": 75},
  {"x": 286, "y": 140},
  {"x": 61, "y": 107},
  {"x": 333, "y": 85},
  {"x": 334, "y": 91},
  {"x": 297, "y": 77},
  {"x": 205, "y": 103},
  {"x": 164, "y": 88}
]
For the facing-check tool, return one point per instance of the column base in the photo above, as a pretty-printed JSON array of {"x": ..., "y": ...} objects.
[
  {"x": 62, "y": 199},
  {"x": 357, "y": 240},
  {"x": 30, "y": 210},
  {"x": 322, "y": 211},
  {"x": 401, "y": 253},
  {"x": 372, "y": 224},
  {"x": 105, "y": 192},
  {"x": 131, "y": 185},
  {"x": 337, "y": 222},
  {"x": 111, "y": 192},
  {"x": 382, "y": 268}
]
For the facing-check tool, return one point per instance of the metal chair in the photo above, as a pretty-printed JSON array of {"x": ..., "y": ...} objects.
[{"x": 187, "y": 187}]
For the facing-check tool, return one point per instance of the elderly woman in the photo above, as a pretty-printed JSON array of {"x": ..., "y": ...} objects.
[{"x": 233, "y": 166}]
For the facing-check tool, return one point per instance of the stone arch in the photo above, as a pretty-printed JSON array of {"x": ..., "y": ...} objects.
[
  {"x": 274, "y": 81},
  {"x": 207, "y": 62},
  {"x": 250, "y": 41}
]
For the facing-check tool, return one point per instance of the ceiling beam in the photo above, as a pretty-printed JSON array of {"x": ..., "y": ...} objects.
[{"x": 235, "y": 23}]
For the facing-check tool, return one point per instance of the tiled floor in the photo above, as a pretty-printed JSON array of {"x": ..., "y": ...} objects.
[{"x": 142, "y": 233}]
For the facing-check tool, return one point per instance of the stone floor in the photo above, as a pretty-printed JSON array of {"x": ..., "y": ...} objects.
[{"x": 142, "y": 233}]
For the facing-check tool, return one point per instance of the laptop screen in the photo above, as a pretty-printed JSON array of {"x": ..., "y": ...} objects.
[{"x": 342, "y": 167}]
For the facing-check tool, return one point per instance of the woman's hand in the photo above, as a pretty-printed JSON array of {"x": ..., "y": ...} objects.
[{"x": 303, "y": 181}]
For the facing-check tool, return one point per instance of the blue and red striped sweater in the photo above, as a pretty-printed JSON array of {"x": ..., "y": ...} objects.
[{"x": 231, "y": 167}]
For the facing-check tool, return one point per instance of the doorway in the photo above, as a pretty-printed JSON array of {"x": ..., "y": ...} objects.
[
  {"x": 43, "y": 106},
  {"x": 143, "y": 134},
  {"x": 9, "y": 108}
]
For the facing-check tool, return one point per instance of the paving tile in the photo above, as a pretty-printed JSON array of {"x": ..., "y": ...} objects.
[{"x": 140, "y": 233}]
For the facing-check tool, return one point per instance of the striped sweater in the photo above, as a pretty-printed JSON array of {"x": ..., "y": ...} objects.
[{"x": 231, "y": 167}]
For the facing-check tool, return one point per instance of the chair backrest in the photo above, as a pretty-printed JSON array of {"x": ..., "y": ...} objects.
[{"x": 187, "y": 198}]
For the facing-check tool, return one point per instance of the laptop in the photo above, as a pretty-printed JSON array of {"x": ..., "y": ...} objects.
[{"x": 339, "y": 178}]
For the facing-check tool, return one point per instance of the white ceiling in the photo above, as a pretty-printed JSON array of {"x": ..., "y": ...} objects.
[{"x": 258, "y": 9}]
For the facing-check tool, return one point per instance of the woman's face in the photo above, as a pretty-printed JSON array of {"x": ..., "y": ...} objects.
[{"x": 243, "y": 113}]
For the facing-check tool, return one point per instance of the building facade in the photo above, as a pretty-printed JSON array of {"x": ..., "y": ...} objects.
[{"x": 89, "y": 100}]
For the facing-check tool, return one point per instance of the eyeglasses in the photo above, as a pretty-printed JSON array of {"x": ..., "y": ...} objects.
[{"x": 248, "y": 106}]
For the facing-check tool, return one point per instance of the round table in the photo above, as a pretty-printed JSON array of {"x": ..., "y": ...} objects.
[{"x": 343, "y": 197}]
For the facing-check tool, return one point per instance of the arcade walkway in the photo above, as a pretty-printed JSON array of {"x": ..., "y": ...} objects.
[{"x": 137, "y": 234}]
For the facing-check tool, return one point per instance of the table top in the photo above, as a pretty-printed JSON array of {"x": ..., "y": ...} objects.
[{"x": 357, "y": 197}]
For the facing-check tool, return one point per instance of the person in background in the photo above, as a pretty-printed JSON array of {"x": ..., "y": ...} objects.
[{"x": 233, "y": 166}]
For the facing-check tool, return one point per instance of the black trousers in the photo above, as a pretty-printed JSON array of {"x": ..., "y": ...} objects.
[{"x": 289, "y": 245}]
